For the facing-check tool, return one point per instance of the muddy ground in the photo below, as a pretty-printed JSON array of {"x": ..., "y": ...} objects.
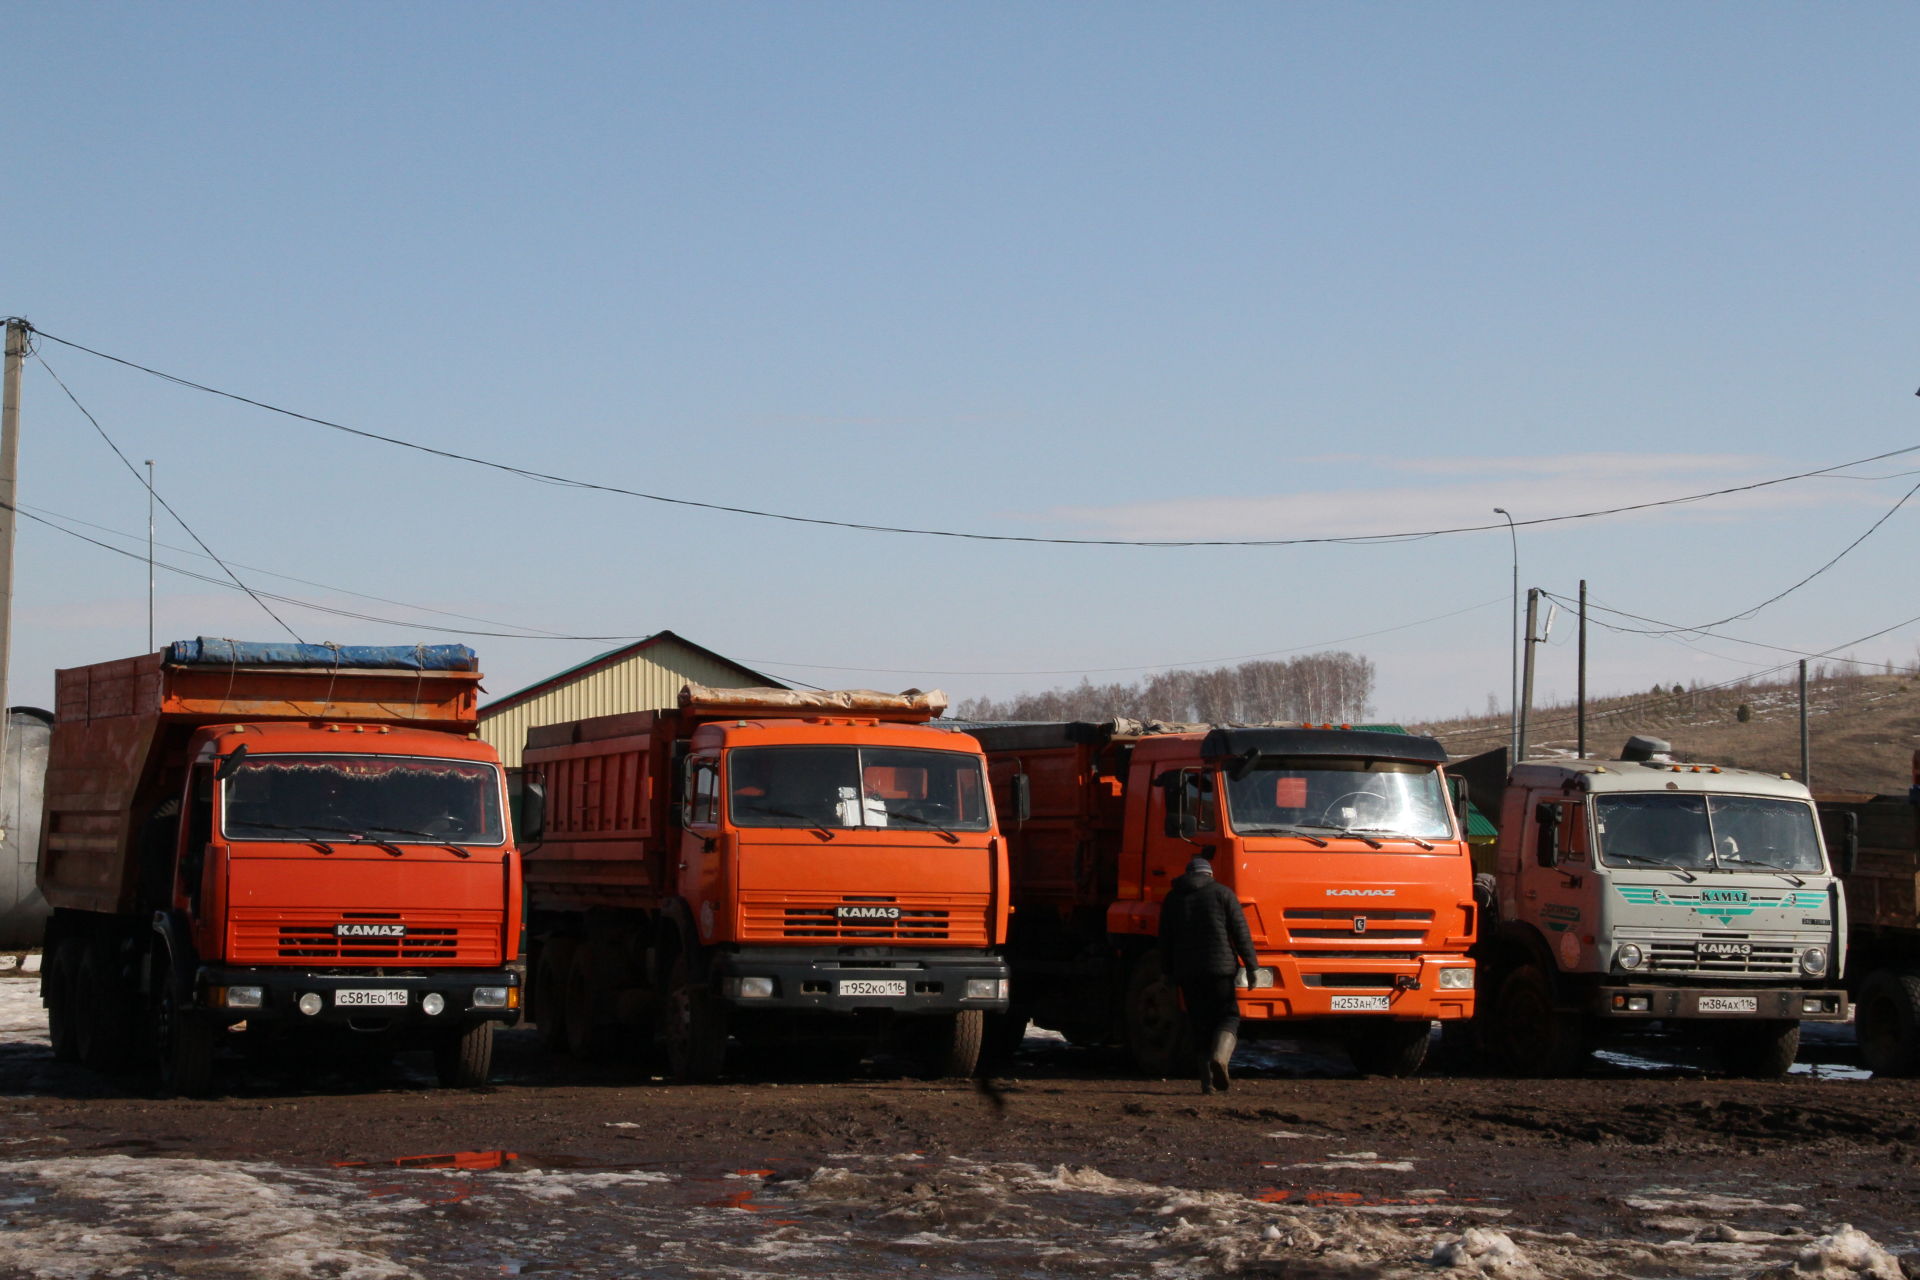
[{"x": 1061, "y": 1166}]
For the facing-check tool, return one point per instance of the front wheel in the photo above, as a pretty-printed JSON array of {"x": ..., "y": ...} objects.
[
  {"x": 58, "y": 988},
  {"x": 951, "y": 1049},
  {"x": 550, "y": 992},
  {"x": 183, "y": 1042},
  {"x": 1759, "y": 1050},
  {"x": 1886, "y": 1023},
  {"x": 1157, "y": 1035},
  {"x": 464, "y": 1059},
  {"x": 694, "y": 1026},
  {"x": 1389, "y": 1048},
  {"x": 1527, "y": 1035}
]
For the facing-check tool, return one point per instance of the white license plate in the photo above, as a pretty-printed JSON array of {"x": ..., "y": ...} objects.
[
  {"x": 358, "y": 998},
  {"x": 1360, "y": 1004},
  {"x": 871, "y": 987},
  {"x": 1729, "y": 1004}
]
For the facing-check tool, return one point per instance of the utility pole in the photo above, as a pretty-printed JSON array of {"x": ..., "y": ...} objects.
[
  {"x": 149, "y": 555},
  {"x": 17, "y": 331},
  {"x": 1806, "y": 746},
  {"x": 1526, "y": 678},
  {"x": 1580, "y": 697}
]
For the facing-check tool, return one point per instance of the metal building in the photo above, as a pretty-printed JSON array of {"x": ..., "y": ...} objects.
[{"x": 643, "y": 676}]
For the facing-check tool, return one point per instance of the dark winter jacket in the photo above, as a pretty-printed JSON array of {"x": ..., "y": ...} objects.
[{"x": 1203, "y": 931}]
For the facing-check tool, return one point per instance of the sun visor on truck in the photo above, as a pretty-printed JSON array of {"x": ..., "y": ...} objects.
[
  {"x": 210, "y": 651},
  {"x": 1370, "y": 744}
]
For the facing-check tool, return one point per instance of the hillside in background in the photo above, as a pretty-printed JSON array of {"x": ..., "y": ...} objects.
[{"x": 1863, "y": 728}]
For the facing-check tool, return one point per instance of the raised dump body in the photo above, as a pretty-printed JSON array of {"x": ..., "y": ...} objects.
[
  {"x": 1643, "y": 891},
  {"x": 1879, "y": 837},
  {"x": 1341, "y": 843},
  {"x": 766, "y": 868},
  {"x": 303, "y": 838}
]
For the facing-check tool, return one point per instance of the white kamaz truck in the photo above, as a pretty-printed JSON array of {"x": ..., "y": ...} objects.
[{"x": 1620, "y": 893}]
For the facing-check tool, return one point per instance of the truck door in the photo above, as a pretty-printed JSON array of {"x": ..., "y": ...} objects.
[
  {"x": 1556, "y": 877},
  {"x": 699, "y": 868},
  {"x": 1182, "y": 824}
]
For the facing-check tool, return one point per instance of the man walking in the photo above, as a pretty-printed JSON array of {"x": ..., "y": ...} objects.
[{"x": 1204, "y": 937}]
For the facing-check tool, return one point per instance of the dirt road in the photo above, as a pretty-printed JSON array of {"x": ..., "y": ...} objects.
[{"x": 1058, "y": 1167}]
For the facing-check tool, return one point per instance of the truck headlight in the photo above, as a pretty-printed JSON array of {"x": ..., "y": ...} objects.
[
  {"x": 986, "y": 989},
  {"x": 311, "y": 1003},
  {"x": 1629, "y": 956},
  {"x": 1262, "y": 977},
  {"x": 750, "y": 988},
  {"x": 489, "y": 997},
  {"x": 1456, "y": 979},
  {"x": 1813, "y": 961},
  {"x": 432, "y": 1004},
  {"x": 241, "y": 997}
]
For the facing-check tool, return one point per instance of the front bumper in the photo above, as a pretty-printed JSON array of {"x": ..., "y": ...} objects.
[
  {"x": 1340, "y": 988},
  {"x": 903, "y": 983},
  {"x": 281, "y": 990},
  {"x": 1644, "y": 1001}
]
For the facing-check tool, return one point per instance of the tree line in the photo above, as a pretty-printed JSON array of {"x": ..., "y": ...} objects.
[{"x": 1319, "y": 687}]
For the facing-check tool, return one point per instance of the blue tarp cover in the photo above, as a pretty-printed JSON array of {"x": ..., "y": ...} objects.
[{"x": 212, "y": 651}]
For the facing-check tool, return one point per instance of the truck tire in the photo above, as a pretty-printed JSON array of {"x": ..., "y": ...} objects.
[
  {"x": 1759, "y": 1050},
  {"x": 693, "y": 1024},
  {"x": 1158, "y": 1039},
  {"x": 1389, "y": 1048},
  {"x": 57, "y": 989},
  {"x": 550, "y": 992},
  {"x": 103, "y": 1019},
  {"x": 950, "y": 1049},
  {"x": 183, "y": 1043},
  {"x": 464, "y": 1059},
  {"x": 1886, "y": 1023},
  {"x": 1526, "y": 1035},
  {"x": 1005, "y": 1033},
  {"x": 584, "y": 1002}
]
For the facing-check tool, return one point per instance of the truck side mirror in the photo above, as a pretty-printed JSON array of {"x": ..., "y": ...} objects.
[
  {"x": 230, "y": 762},
  {"x": 1462, "y": 800},
  {"x": 1022, "y": 798},
  {"x": 1849, "y": 843},
  {"x": 1174, "y": 784},
  {"x": 1547, "y": 848},
  {"x": 533, "y": 810}
]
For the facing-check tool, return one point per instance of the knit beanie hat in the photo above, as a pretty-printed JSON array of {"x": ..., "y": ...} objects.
[{"x": 1199, "y": 867}]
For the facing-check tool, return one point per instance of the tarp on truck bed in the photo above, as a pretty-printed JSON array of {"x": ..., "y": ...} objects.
[
  {"x": 913, "y": 703},
  {"x": 211, "y": 651}
]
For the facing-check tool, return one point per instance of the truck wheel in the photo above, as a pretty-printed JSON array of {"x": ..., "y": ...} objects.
[
  {"x": 57, "y": 990},
  {"x": 102, "y": 1032},
  {"x": 1389, "y": 1048},
  {"x": 1005, "y": 1033},
  {"x": 951, "y": 1050},
  {"x": 184, "y": 1043},
  {"x": 694, "y": 1027},
  {"x": 1761, "y": 1050},
  {"x": 583, "y": 1009},
  {"x": 550, "y": 992},
  {"x": 464, "y": 1059},
  {"x": 1157, "y": 1035},
  {"x": 1886, "y": 1023},
  {"x": 1527, "y": 1036}
]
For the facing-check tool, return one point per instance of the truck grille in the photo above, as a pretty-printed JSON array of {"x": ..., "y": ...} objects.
[
  {"x": 1768, "y": 959},
  {"x": 818, "y": 919},
  {"x": 442, "y": 937},
  {"x": 1337, "y": 924}
]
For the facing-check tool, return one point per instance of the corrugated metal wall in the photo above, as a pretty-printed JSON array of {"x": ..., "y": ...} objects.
[{"x": 648, "y": 681}]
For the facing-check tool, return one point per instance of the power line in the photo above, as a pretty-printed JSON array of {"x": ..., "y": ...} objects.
[
  {"x": 1354, "y": 540},
  {"x": 178, "y": 518}
]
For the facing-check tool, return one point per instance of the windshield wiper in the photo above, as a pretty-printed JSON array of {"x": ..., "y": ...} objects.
[
  {"x": 427, "y": 837},
  {"x": 1399, "y": 835},
  {"x": 305, "y": 830},
  {"x": 812, "y": 824},
  {"x": 1354, "y": 833},
  {"x": 1795, "y": 880},
  {"x": 925, "y": 822},
  {"x": 1637, "y": 860},
  {"x": 1300, "y": 831}
]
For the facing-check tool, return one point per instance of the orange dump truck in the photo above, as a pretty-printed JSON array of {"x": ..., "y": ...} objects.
[
  {"x": 301, "y": 838},
  {"x": 1343, "y": 845},
  {"x": 768, "y": 868}
]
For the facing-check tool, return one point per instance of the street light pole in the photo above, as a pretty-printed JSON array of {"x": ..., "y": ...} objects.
[{"x": 1513, "y": 681}]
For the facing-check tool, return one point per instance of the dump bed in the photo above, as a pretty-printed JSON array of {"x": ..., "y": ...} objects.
[
  {"x": 1883, "y": 889},
  {"x": 121, "y": 729},
  {"x": 607, "y": 783}
]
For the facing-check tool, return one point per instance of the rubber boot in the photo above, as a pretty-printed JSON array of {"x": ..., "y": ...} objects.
[{"x": 1217, "y": 1060}]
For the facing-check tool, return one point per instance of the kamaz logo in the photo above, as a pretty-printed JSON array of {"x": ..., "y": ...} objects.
[
  {"x": 1361, "y": 893},
  {"x": 1724, "y": 895},
  {"x": 1359, "y": 924},
  {"x": 867, "y": 913},
  {"x": 369, "y": 931}
]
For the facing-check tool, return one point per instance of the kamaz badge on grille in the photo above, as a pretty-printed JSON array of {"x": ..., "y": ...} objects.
[
  {"x": 867, "y": 913},
  {"x": 357, "y": 930}
]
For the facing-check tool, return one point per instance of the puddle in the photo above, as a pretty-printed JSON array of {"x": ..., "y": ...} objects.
[{"x": 451, "y": 1160}]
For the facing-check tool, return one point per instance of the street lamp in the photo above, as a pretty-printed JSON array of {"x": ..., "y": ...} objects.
[{"x": 1513, "y": 682}]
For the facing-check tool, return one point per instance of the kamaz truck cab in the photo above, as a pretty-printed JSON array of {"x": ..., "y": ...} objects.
[{"x": 1645, "y": 890}]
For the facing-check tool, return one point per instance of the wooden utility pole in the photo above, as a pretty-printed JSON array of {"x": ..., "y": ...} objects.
[
  {"x": 1580, "y": 696},
  {"x": 17, "y": 331},
  {"x": 1806, "y": 745},
  {"x": 1526, "y": 677}
]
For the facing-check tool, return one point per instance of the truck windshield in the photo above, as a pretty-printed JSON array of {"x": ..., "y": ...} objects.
[
  {"x": 1280, "y": 795},
  {"x": 408, "y": 798},
  {"x": 839, "y": 787},
  {"x": 1702, "y": 833}
]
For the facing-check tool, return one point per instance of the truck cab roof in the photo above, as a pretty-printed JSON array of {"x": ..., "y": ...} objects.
[{"x": 1598, "y": 776}]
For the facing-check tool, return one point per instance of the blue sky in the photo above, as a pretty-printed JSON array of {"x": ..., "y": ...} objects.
[{"x": 1229, "y": 271}]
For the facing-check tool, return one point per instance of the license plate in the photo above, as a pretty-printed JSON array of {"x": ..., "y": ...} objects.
[
  {"x": 1729, "y": 1004},
  {"x": 361, "y": 998},
  {"x": 1360, "y": 1004},
  {"x": 871, "y": 987}
]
